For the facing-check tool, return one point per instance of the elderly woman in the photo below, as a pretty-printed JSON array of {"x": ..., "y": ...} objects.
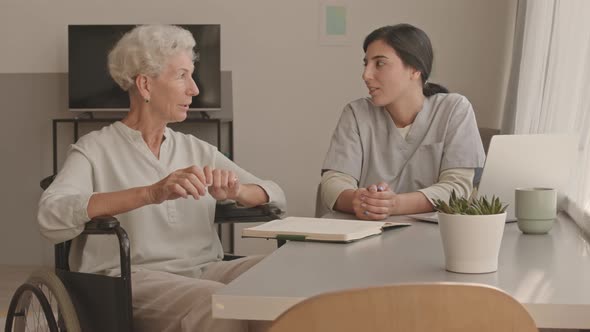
[{"x": 162, "y": 186}]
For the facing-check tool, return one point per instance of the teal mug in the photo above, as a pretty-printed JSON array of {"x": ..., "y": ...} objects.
[{"x": 536, "y": 209}]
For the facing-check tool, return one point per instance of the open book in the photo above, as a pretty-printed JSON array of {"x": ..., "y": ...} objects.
[{"x": 319, "y": 229}]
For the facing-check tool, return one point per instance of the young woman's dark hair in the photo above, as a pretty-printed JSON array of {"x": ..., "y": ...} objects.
[{"x": 413, "y": 47}]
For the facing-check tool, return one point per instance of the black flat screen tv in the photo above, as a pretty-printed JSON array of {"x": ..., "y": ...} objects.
[{"x": 91, "y": 88}]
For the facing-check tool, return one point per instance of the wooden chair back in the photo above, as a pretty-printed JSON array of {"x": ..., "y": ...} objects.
[{"x": 409, "y": 307}]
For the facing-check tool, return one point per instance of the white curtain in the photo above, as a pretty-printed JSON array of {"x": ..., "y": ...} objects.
[{"x": 549, "y": 88}]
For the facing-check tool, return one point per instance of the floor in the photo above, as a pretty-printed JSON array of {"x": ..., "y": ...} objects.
[{"x": 10, "y": 278}]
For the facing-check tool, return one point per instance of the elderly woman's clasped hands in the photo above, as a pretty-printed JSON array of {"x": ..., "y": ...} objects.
[{"x": 196, "y": 182}]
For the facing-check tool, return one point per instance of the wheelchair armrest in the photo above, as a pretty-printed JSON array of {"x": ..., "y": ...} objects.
[
  {"x": 101, "y": 225},
  {"x": 110, "y": 225},
  {"x": 232, "y": 213}
]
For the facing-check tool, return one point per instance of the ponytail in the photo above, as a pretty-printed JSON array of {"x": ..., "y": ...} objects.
[{"x": 430, "y": 89}]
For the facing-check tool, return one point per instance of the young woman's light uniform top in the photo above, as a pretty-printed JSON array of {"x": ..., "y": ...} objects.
[{"x": 369, "y": 147}]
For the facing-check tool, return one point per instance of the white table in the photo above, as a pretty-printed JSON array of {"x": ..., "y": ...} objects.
[{"x": 549, "y": 274}]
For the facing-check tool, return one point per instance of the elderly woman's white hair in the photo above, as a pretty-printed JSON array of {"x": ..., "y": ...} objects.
[{"x": 145, "y": 50}]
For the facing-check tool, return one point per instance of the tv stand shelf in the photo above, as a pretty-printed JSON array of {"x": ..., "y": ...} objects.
[{"x": 77, "y": 121}]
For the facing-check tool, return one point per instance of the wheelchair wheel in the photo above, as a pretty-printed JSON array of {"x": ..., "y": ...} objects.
[{"x": 42, "y": 303}]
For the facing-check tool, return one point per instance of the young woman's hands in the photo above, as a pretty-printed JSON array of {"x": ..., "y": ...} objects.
[{"x": 376, "y": 202}]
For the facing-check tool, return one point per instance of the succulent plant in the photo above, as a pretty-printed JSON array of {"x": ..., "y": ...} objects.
[{"x": 471, "y": 206}]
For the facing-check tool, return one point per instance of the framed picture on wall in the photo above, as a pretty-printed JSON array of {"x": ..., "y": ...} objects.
[{"x": 334, "y": 21}]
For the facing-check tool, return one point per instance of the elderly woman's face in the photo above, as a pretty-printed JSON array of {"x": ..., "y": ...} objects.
[{"x": 172, "y": 90}]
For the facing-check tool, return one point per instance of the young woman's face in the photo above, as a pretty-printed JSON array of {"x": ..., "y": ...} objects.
[
  {"x": 386, "y": 76},
  {"x": 172, "y": 90}
]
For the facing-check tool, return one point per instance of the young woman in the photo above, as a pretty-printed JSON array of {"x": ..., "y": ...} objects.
[{"x": 411, "y": 142}]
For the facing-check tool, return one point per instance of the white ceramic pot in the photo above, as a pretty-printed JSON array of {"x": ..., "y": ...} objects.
[{"x": 471, "y": 243}]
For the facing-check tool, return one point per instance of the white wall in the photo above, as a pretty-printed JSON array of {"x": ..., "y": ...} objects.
[{"x": 288, "y": 89}]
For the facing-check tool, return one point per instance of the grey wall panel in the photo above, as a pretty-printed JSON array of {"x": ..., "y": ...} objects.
[{"x": 27, "y": 102}]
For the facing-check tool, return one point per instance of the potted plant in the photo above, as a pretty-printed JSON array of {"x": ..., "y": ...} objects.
[{"x": 471, "y": 231}]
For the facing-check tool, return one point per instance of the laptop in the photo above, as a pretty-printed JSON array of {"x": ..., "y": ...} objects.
[{"x": 521, "y": 161}]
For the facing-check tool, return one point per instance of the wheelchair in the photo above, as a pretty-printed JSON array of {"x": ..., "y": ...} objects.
[{"x": 62, "y": 300}]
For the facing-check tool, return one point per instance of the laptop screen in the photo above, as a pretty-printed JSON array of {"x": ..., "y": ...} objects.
[{"x": 524, "y": 161}]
